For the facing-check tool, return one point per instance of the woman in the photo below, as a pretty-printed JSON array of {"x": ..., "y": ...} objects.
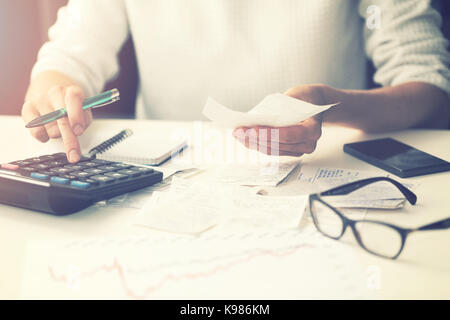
[{"x": 238, "y": 51}]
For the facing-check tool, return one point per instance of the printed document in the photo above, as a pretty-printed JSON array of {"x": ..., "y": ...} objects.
[
  {"x": 381, "y": 195},
  {"x": 269, "y": 264}
]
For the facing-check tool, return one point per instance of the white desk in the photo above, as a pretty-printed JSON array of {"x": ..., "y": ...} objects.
[{"x": 422, "y": 271}]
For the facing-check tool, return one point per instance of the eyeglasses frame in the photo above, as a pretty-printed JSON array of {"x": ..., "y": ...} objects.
[{"x": 353, "y": 186}]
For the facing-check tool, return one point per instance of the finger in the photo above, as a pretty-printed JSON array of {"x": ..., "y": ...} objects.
[
  {"x": 270, "y": 140},
  {"x": 44, "y": 107},
  {"x": 57, "y": 99},
  {"x": 310, "y": 129},
  {"x": 269, "y": 151},
  {"x": 286, "y": 135},
  {"x": 290, "y": 154},
  {"x": 29, "y": 112},
  {"x": 88, "y": 117},
  {"x": 74, "y": 105},
  {"x": 305, "y": 147},
  {"x": 275, "y": 148},
  {"x": 239, "y": 132},
  {"x": 70, "y": 140},
  {"x": 313, "y": 126},
  {"x": 265, "y": 138},
  {"x": 247, "y": 136}
]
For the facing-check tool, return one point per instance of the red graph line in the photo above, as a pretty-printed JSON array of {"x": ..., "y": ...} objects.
[{"x": 116, "y": 266}]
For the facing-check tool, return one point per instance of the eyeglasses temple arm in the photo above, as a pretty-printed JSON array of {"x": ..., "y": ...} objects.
[
  {"x": 438, "y": 225},
  {"x": 352, "y": 186}
]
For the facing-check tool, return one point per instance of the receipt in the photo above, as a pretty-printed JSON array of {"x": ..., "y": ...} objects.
[
  {"x": 381, "y": 195},
  {"x": 178, "y": 213},
  {"x": 275, "y": 110},
  {"x": 191, "y": 208},
  {"x": 253, "y": 175}
]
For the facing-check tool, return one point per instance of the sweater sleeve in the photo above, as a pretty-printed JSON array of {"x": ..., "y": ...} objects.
[
  {"x": 84, "y": 43},
  {"x": 404, "y": 41}
]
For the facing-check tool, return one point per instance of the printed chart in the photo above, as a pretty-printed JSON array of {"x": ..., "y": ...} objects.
[{"x": 262, "y": 265}]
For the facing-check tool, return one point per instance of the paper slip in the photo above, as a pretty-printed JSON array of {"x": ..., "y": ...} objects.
[
  {"x": 172, "y": 212},
  {"x": 275, "y": 110},
  {"x": 171, "y": 169},
  {"x": 380, "y": 195},
  {"x": 327, "y": 178},
  {"x": 256, "y": 175},
  {"x": 366, "y": 204},
  {"x": 266, "y": 212},
  {"x": 332, "y": 176},
  {"x": 192, "y": 208}
]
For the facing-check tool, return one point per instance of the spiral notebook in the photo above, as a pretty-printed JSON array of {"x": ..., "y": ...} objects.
[{"x": 139, "y": 148}]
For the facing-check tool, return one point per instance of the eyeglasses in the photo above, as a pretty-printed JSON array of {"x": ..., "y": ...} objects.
[{"x": 379, "y": 238}]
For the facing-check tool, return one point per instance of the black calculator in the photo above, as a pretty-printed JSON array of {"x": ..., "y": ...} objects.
[{"x": 51, "y": 184}]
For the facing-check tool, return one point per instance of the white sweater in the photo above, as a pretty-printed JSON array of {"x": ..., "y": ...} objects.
[{"x": 238, "y": 51}]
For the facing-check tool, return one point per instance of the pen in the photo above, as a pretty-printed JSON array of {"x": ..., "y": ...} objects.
[{"x": 99, "y": 100}]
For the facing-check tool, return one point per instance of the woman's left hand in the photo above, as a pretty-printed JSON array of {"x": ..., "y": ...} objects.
[{"x": 293, "y": 140}]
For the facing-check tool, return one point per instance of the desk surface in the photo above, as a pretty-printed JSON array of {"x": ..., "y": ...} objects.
[{"x": 423, "y": 270}]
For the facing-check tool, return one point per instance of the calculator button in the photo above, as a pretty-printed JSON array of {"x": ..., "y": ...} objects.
[
  {"x": 35, "y": 160},
  {"x": 10, "y": 166},
  {"x": 26, "y": 171},
  {"x": 74, "y": 167},
  {"x": 80, "y": 184},
  {"x": 108, "y": 168},
  {"x": 56, "y": 163},
  {"x": 84, "y": 159},
  {"x": 59, "y": 180},
  {"x": 62, "y": 157},
  {"x": 143, "y": 170},
  {"x": 23, "y": 163},
  {"x": 81, "y": 174},
  {"x": 92, "y": 182},
  {"x": 95, "y": 171},
  {"x": 116, "y": 175},
  {"x": 121, "y": 165},
  {"x": 104, "y": 179},
  {"x": 40, "y": 166},
  {"x": 89, "y": 164},
  {"x": 59, "y": 155},
  {"x": 130, "y": 172},
  {"x": 101, "y": 162},
  {"x": 40, "y": 176},
  {"x": 46, "y": 158},
  {"x": 61, "y": 170},
  {"x": 46, "y": 172},
  {"x": 68, "y": 176}
]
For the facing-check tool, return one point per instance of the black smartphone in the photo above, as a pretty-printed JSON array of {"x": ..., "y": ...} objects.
[{"x": 396, "y": 157}]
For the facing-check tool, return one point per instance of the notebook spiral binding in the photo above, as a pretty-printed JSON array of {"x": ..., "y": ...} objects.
[{"x": 102, "y": 147}]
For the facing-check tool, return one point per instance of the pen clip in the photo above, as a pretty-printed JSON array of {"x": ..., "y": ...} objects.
[{"x": 103, "y": 104}]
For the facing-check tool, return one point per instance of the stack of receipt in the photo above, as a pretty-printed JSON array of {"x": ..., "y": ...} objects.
[{"x": 194, "y": 207}]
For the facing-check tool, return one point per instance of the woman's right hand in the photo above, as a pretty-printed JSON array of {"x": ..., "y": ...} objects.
[{"x": 68, "y": 128}]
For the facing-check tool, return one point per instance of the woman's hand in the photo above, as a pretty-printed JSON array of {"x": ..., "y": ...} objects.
[
  {"x": 70, "y": 97},
  {"x": 294, "y": 140}
]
